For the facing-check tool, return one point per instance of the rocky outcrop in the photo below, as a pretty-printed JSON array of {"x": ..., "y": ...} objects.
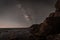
[{"x": 50, "y": 28}]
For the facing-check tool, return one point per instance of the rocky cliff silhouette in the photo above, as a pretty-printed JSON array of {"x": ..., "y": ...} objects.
[{"x": 48, "y": 30}]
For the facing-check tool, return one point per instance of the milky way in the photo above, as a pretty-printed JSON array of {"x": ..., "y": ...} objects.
[{"x": 14, "y": 13}]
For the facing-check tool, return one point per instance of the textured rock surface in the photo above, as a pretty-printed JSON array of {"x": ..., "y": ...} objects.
[
  {"x": 50, "y": 28},
  {"x": 16, "y": 34}
]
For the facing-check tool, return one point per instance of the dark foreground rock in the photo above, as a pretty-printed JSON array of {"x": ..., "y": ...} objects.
[
  {"x": 16, "y": 34},
  {"x": 48, "y": 30}
]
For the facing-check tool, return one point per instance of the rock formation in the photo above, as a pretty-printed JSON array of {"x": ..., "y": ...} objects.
[{"x": 50, "y": 28}]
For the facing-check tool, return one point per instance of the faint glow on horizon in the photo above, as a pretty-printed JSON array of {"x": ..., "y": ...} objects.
[
  {"x": 11, "y": 24},
  {"x": 16, "y": 16}
]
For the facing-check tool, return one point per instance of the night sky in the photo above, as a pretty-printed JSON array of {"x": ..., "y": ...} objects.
[{"x": 24, "y": 13}]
